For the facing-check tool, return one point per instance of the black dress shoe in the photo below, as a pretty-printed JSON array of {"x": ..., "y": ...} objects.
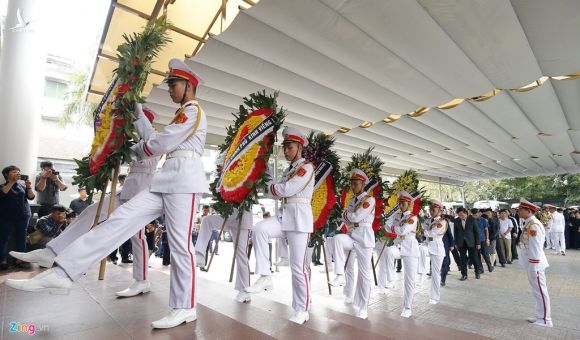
[
  {"x": 503, "y": 265},
  {"x": 477, "y": 275},
  {"x": 126, "y": 261},
  {"x": 443, "y": 284},
  {"x": 490, "y": 269},
  {"x": 463, "y": 278},
  {"x": 509, "y": 262}
]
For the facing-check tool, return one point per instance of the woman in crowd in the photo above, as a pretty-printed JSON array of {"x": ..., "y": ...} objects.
[{"x": 14, "y": 213}]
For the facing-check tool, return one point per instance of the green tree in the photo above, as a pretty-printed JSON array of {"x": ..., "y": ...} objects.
[{"x": 77, "y": 110}]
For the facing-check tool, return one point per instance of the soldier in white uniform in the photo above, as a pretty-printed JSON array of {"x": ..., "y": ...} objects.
[
  {"x": 174, "y": 192},
  {"x": 558, "y": 225},
  {"x": 215, "y": 222},
  {"x": 434, "y": 229},
  {"x": 138, "y": 179},
  {"x": 532, "y": 258},
  {"x": 405, "y": 228},
  {"x": 294, "y": 221},
  {"x": 358, "y": 218}
]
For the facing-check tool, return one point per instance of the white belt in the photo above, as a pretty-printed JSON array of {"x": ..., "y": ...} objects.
[
  {"x": 141, "y": 170},
  {"x": 182, "y": 154},
  {"x": 286, "y": 200}
]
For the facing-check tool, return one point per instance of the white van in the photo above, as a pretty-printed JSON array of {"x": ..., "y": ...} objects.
[{"x": 494, "y": 205}]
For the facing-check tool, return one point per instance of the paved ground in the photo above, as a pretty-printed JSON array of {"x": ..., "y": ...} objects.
[{"x": 495, "y": 306}]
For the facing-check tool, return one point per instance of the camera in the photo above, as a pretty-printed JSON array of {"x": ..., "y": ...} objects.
[
  {"x": 24, "y": 177},
  {"x": 54, "y": 172}
]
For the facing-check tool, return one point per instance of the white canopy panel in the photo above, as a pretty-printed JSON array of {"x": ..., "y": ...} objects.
[{"x": 458, "y": 90}]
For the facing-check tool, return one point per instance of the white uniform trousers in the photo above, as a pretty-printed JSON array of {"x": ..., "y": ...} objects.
[
  {"x": 436, "y": 262},
  {"x": 362, "y": 293},
  {"x": 343, "y": 252},
  {"x": 127, "y": 220},
  {"x": 282, "y": 245},
  {"x": 410, "y": 268},
  {"x": 386, "y": 264},
  {"x": 83, "y": 224},
  {"x": 559, "y": 241},
  {"x": 329, "y": 249},
  {"x": 537, "y": 280},
  {"x": 423, "y": 254},
  {"x": 215, "y": 222},
  {"x": 299, "y": 264},
  {"x": 550, "y": 240}
]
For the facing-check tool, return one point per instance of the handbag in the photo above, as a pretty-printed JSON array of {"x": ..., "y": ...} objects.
[{"x": 35, "y": 237}]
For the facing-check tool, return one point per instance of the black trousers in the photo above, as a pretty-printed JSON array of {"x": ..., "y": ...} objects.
[
  {"x": 514, "y": 249},
  {"x": 484, "y": 251},
  {"x": 463, "y": 251},
  {"x": 456, "y": 257},
  {"x": 499, "y": 250},
  {"x": 445, "y": 265}
]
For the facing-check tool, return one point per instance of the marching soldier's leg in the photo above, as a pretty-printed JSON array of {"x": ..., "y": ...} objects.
[
  {"x": 282, "y": 253},
  {"x": 82, "y": 225},
  {"x": 208, "y": 224},
  {"x": 298, "y": 246},
  {"x": 179, "y": 217},
  {"x": 410, "y": 267},
  {"x": 140, "y": 266},
  {"x": 382, "y": 275},
  {"x": 537, "y": 281},
  {"x": 349, "y": 286},
  {"x": 261, "y": 234},
  {"x": 436, "y": 262},
  {"x": 242, "y": 265},
  {"x": 363, "y": 284},
  {"x": 389, "y": 266},
  {"x": 341, "y": 243},
  {"x": 140, "y": 256},
  {"x": 109, "y": 235}
]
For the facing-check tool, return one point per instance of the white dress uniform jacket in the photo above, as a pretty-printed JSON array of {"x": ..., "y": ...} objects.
[
  {"x": 405, "y": 228},
  {"x": 176, "y": 174},
  {"x": 434, "y": 230},
  {"x": 295, "y": 188},
  {"x": 358, "y": 217},
  {"x": 533, "y": 236}
]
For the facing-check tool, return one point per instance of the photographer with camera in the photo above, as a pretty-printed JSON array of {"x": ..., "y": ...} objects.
[
  {"x": 48, "y": 184},
  {"x": 14, "y": 212}
]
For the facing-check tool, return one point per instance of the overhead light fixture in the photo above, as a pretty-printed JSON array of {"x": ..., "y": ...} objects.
[
  {"x": 556, "y": 155},
  {"x": 531, "y": 85},
  {"x": 410, "y": 154},
  {"x": 486, "y": 96},
  {"x": 466, "y": 145},
  {"x": 534, "y": 157},
  {"x": 419, "y": 112},
  {"x": 515, "y": 159},
  {"x": 575, "y": 152},
  {"x": 447, "y": 149},
  {"x": 542, "y": 134},
  {"x": 490, "y": 142},
  {"x": 514, "y": 138},
  {"x": 344, "y": 130},
  {"x": 571, "y": 76},
  {"x": 366, "y": 124},
  {"x": 451, "y": 104},
  {"x": 329, "y": 133},
  {"x": 391, "y": 118}
]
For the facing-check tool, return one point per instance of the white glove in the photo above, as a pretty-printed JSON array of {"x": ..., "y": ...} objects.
[{"x": 139, "y": 111}]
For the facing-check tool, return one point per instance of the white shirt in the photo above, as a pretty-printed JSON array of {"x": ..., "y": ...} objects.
[{"x": 504, "y": 225}]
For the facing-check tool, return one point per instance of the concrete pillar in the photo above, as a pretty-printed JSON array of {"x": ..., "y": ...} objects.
[
  {"x": 22, "y": 67},
  {"x": 463, "y": 195}
]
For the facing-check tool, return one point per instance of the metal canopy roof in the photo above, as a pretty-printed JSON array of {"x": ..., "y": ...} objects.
[{"x": 458, "y": 90}]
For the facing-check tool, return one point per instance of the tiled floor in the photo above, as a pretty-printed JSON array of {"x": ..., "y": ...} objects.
[{"x": 495, "y": 306}]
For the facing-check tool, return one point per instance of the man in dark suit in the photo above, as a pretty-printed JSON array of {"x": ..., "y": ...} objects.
[
  {"x": 448, "y": 243},
  {"x": 467, "y": 240}
]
